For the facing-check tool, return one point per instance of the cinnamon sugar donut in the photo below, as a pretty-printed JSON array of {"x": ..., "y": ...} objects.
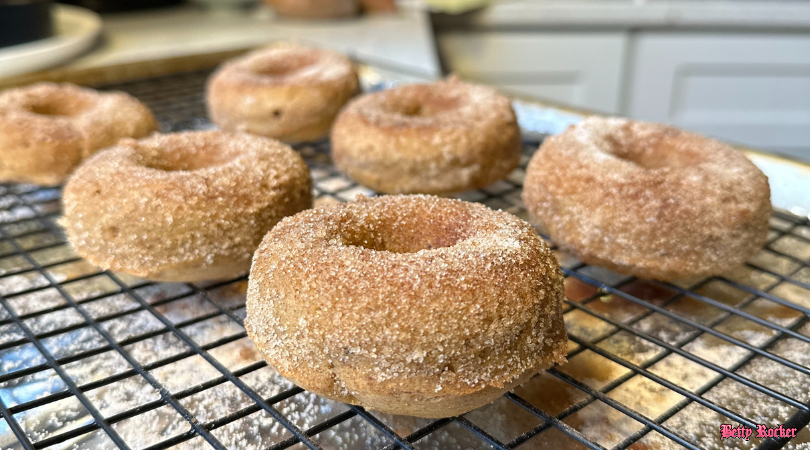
[
  {"x": 648, "y": 199},
  {"x": 438, "y": 138},
  {"x": 184, "y": 206},
  {"x": 286, "y": 92},
  {"x": 46, "y": 129},
  {"x": 412, "y": 305}
]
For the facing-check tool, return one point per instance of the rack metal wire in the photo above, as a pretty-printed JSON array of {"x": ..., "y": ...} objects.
[{"x": 94, "y": 360}]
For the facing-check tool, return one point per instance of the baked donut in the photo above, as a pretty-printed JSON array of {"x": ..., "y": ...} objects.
[
  {"x": 46, "y": 129},
  {"x": 184, "y": 206},
  {"x": 647, "y": 199},
  {"x": 438, "y": 138},
  {"x": 414, "y": 305},
  {"x": 315, "y": 9},
  {"x": 286, "y": 92}
]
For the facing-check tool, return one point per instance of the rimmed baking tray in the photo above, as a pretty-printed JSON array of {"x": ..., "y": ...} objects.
[{"x": 95, "y": 360}]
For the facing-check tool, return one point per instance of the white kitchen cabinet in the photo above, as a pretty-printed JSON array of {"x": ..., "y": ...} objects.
[
  {"x": 753, "y": 89},
  {"x": 579, "y": 69}
]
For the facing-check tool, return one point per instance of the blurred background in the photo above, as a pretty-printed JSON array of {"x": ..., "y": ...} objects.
[{"x": 738, "y": 70}]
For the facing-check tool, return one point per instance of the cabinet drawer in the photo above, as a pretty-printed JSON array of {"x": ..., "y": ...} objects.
[
  {"x": 753, "y": 89},
  {"x": 579, "y": 69}
]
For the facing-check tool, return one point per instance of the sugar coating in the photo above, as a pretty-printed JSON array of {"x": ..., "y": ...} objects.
[
  {"x": 46, "y": 129},
  {"x": 412, "y": 305},
  {"x": 183, "y": 206},
  {"x": 438, "y": 138},
  {"x": 647, "y": 199},
  {"x": 286, "y": 92}
]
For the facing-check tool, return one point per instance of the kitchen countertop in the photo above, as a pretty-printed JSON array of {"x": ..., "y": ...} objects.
[
  {"x": 401, "y": 41},
  {"x": 735, "y": 14}
]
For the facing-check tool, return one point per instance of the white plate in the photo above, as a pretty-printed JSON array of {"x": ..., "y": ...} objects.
[{"x": 75, "y": 31}]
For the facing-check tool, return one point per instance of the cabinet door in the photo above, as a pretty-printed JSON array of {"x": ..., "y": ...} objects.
[
  {"x": 753, "y": 89},
  {"x": 578, "y": 69}
]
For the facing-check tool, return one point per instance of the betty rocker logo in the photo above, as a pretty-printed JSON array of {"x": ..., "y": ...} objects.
[{"x": 742, "y": 432}]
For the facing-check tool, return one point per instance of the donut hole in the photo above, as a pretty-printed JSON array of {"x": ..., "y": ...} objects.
[
  {"x": 59, "y": 106},
  {"x": 403, "y": 232},
  {"x": 282, "y": 64},
  {"x": 407, "y": 241},
  {"x": 422, "y": 101},
  {"x": 653, "y": 152},
  {"x": 194, "y": 155},
  {"x": 430, "y": 108},
  {"x": 422, "y": 110}
]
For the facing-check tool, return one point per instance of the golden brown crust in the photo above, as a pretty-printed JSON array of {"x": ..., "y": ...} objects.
[
  {"x": 184, "y": 206},
  {"x": 440, "y": 138},
  {"x": 647, "y": 199},
  {"x": 286, "y": 92},
  {"x": 46, "y": 129},
  {"x": 411, "y": 305}
]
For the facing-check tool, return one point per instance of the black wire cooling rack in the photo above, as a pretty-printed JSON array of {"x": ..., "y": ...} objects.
[{"x": 95, "y": 360}]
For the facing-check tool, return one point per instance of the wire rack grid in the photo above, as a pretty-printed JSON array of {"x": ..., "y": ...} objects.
[{"x": 94, "y": 360}]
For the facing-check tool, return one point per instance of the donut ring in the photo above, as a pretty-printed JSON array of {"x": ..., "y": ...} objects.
[
  {"x": 185, "y": 206},
  {"x": 647, "y": 199},
  {"x": 439, "y": 138},
  {"x": 46, "y": 129},
  {"x": 288, "y": 92},
  {"x": 414, "y": 305}
]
